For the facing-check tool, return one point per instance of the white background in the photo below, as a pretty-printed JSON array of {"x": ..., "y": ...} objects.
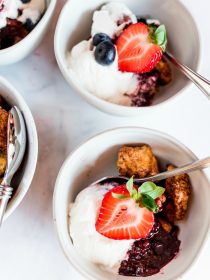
[{"x": 29, "y": 248}]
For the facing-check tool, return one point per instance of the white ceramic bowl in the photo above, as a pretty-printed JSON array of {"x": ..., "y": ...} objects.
[
  {"x": 97, "y": 158},
  {"x": 23, "y": 48},
  {"x": 24, "y": 175},
  {"x": 74, "y": 25}
]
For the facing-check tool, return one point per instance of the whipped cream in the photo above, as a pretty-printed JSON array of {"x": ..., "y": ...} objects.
[
  {"x": 111, "y": 19},
  {"x": 106, "y": 82},
  {"x": 96, "y": 248},
  {"x": 9, "y": 10},
  {"x": 32, "y": 10}
]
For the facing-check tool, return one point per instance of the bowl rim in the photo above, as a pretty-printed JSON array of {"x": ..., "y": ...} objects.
[
  {"x": 61, "y": 234},
  {"x": 107, "y": 106},
  {"x": 18, "y": 199},
  {"x": 40, "y": 25}
]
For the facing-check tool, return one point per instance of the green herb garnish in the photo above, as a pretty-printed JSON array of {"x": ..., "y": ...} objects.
[
  {"x": 158, "y": 35},
  {"x": 145, "y": 195}
]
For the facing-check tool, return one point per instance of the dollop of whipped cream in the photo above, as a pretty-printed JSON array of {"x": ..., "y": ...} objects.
[
  {"x": 9, "y": 9},
  {"x": 112, "y": 19},
  {"x": 31, "y": 10},
  {"x": 106, "y": 82},
  {"x": 96, "y": 248}
]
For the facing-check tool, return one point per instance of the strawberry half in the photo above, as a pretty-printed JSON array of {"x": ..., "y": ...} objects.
[
  {"x": 140, "y": 47},
  {"x": 123, "y": 218}
]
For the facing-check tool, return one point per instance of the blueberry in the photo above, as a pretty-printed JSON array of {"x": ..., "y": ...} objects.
[
  {"x": 100, "y": 37},
  {"x": 25, "y": 1},
  {"x": 29, "y": 25},
  {"x": 105, "y": 53}
]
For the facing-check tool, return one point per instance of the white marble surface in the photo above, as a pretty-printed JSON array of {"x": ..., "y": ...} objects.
[{"x": 29, "y": 248}]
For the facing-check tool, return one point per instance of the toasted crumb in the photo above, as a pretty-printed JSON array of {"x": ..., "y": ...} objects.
[
  {"x": 178, "y": 189},
  {"x": 164, "y": 71},
  {"x": 165, "y": 225},
  {"x": 3, "y": 130},
  {"x": 3, "y": 163},
  {"x": 137, "y": 161}
]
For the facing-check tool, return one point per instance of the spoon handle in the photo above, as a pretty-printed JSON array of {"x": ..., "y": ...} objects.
[
  {"x": 6, "y": 195},
  {"x": 199, "y": 164},
  {"x": 202, "y": 83}
]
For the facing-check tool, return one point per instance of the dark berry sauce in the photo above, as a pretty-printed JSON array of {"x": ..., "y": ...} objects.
[
  {"x": 12, "y": 33},
  {"x": 148, "y": 256},
  {"x": 148, "y": 87},
  {"x": 15, "y": 30}
]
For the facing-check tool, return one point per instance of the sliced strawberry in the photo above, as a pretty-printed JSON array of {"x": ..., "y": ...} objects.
[
  {"x": 137, "y": 52},
  {"x": 123, "y": 218}
]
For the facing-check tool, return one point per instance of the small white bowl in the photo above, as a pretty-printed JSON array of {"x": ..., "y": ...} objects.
[
  {"x": 23, "y": 48},
  {"x": 23, "y": 177},
  {"x": 96, "y": 158},
  {"x": 74, "y": 26}
]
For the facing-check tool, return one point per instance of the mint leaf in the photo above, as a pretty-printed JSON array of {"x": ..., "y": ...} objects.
[
  {"x": 133, "y": 192},
  {"x": 160, "y": 37},
  {"x": 160, "y": 34},
  {"x": 119, "y": 196},
  {"x": 156, "y": 193},
  {"x": 145, "y": 196},
  {"x": 150, "y": 189},
  {"x": 148, "y": 202},
  {"x": 146, "y": 187}
]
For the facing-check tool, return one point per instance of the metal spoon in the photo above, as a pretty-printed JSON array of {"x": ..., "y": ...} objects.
[
  {"x": 16, "y": 145},
  {"x": 202, "y": 83},
  {"x": 198, "y": 164}
]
